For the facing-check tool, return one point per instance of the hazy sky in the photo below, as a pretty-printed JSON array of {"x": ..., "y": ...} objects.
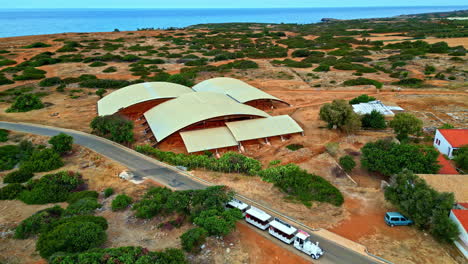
[{"x": 219, "y": 3}]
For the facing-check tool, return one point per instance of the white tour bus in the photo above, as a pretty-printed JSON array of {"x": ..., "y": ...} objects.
[
  {"x": 282, "y": 230},
  {"x": 302, "y": 242},
  {"x": 258, "y": 218},
  {"x": 234, "y": 203}
]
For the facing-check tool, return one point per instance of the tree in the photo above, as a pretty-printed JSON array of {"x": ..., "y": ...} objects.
[
  {"x": 340, "y": 114},
  {"x": 43, "y": 160},
  {"x": 347, "y": 163},
  {"x": 61, "y": 143},
  {"x": 193, "y": 239},
  {"x": 4, "y": 135},
  {"x": 446, "y": 126},
  {"x": 405, "y": 124},
  {"x": 374, "y": 120},
  {"x": 428, "y": 208},
  {"x": 101, "y": 92},
  {"x": 180, "y": 79},
  {"x": 461, "y": 157},
  {"x": 388, "y": 158},
  {"x": 71, "y": 238},
  {"x": 25, "y": 103}
]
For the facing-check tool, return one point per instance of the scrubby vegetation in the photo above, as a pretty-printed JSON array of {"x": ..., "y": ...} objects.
[
  {"x": 114, "y": 127},
  {"x": 4, "y": 135},
  {"x": 61, "y": 143},
  {"x": 363, "y": 98},
  {"x": 347, "y": 163},
  {"x": 25, "y": 103},
  {"x": 363, "y": 81},
  {"x": 121, "y": 202},
  {"x": 374, "y": 120},
  {"x": 340, "y": 114},
  {"x": 405, "y": 124}
]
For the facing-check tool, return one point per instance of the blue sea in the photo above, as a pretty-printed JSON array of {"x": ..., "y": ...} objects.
[{"x": 20, "y": 22}]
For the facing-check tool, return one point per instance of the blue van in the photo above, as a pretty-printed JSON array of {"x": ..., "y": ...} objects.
[{"x": 397, "y": 219}]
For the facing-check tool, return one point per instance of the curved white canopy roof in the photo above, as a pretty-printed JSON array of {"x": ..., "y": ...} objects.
[
  {"x": 138, "y": 93},
  {"x": 190, "y": 108},
  {"x": 236, "y": 89}
]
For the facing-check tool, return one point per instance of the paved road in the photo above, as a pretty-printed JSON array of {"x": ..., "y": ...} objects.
[{"x": 147, "y": 167}]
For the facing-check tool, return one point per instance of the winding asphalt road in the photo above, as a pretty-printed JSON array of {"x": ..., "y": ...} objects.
[{"x": 144, "y": 166}]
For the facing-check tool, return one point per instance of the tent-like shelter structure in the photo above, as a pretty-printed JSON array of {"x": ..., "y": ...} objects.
[{"x": 216, "y": 114}]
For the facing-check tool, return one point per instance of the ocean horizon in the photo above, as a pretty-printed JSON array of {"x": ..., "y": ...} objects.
[{"x": 22, "y": 22}]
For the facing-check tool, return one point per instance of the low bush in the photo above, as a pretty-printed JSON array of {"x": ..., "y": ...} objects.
[
  {"x": 18, "y": 176},
  {"x": 347, "y": 163},
  {"x": 47, "y": 82},
  {"x": 363, "y": 98},
  {"x": 84, "y": 206},
  {"x": 71, "y": 238},
  {"x": 363, "y": 81},
  {"x": 193, "y": 239},
  {"x": 51, "y": 188},
  {"x": 25, "y": 103},
  {"x": 461, "y": 158},
  {"x": 9, "y": 157},
  {"x": 101, "y": 92},
  {"x": 4, "y": 135},
  {"x": 124, "y": 255},
  {"x": 294, "y": 147},
  {"x": 410, "y": 82},
  {"x": 4, "y": 80},
  {"x": 97, "y": 64},
  {"x": 30, "y": 73},
  {"x": 110, "y": 69},
  {"x": 374, "y": 120},
  {"x": 74, "y": 197},
  {"x": 121, "y": 202},
  {"x": 37, "y": 45},
  {"x": 11, "y": 191},
  {"x": 43, "y": 160},
  {"x": 6, "y": 62},
  {"x": 106, "y": 83},
  {"x": 108, "y": 192},
  {"x": 293, "y": 63},
  {"x": 301, "y": 185},
  {"x": 98, "y": 220},
  {"x": 218, "y": 223},
  {"x": 115, "y": 128},
  {"x": 322, "y": 68},
  {"x": 61, "y": 143},
  {"x": 300, "y": 53},
  {"x": 38, "y": 222}
]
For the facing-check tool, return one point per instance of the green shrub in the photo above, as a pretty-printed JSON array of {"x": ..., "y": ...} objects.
[
  {"x": 47, "y": 82},
  {"x": 294, "y": 147},
  {"x": 30, "y": 73},
  {"x": 301, "y": 53},
  {"x": 43, "y": 160},
  {"x": 98, "y": 220},
  {"x": 6, "y": 62},
  {"x": 347, "y": 163},
  {"x": 363, "y": 81},
  {"x": 363, "y": 98},
  {"x": 97, "y": 64},
  {"x": 18, "y": 176},
  {"x": 293, "y": 63},
  {"x": 429, "y": 69},
  {"x": 374, "y": 120},
  {"x": 193, "y": 239},
  {"x": 11, "y": 191},
  {"x": 125, "y": 255},
  {"x": 4, "y": 135},
  {"x": 322, "y": 68},
  {"x": 461, "y": 158},
  {"x": 180, "y": 79},
  {"x": 380, "y": 156},
  {"x": 37, "y": 45},
  {"x": 106, "y": 83},
  {"x": 301, "y": 185},
  {"x": 84, "y": 206},
  {"x": 340, "y": 114},
  {"x": 218, "y": 223},
  {"x": 108, "y": 192},
  {"x": 38, "y": 222},
  {"x": 410, "y": 82},
  {"x": 74, "y": 197},
  {"x": 121, "y": 202},
  {"x": 101, "y": 92},
  {"x": 25, "y": 103},
  {"x": 61, "y": 143},
  {"x": 71, "y": 238},
  {"x": 9, "y": 157},
  {"x": 51, "y": 188},
  {"x": 110, "y": 69},
  {"x": 115, "y": 128},
  {"x": 4, "y": 80},
  {"x": 405, "y": 124}
]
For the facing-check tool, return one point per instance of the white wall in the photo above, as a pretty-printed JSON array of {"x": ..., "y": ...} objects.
[
  {"x": 463, "y": 236},
  {"x": 444, "y": 146}
]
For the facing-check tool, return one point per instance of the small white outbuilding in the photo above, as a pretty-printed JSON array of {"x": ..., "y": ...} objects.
[{"x": 448, "y": 140}]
